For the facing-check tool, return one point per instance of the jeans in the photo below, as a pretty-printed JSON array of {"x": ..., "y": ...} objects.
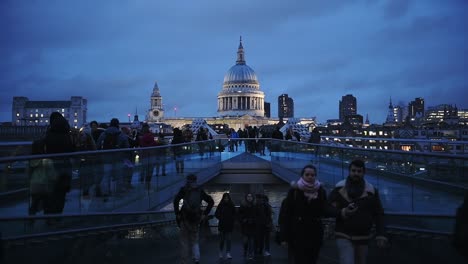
[
  {"x": 351, "y": 253},
  {"x": 189, "y": 244},
  {"x": 225, "y": 236}
]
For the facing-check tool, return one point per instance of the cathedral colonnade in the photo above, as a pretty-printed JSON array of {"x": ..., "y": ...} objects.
[{"x": 226, "y": 103}]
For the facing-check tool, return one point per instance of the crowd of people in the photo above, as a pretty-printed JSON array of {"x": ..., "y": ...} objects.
[
  {"x": 100, "y": 175},
  {"x": 353, "y": 202}
]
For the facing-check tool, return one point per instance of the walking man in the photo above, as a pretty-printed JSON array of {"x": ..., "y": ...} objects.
[
  {"x": 361, "y": 208},
  {"x": 189, "y": 217}
]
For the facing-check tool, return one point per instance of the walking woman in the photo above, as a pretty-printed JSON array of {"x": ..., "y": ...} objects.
[
  {"x": 247, "y": 220},
  {"x": 301, "y": 225},
  {"x": 225, "y": 212}
]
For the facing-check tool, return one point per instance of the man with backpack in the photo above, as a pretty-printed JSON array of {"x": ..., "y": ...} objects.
[
  {"x": 112, "y": 138},
  {"x": 189, "y": 217}
]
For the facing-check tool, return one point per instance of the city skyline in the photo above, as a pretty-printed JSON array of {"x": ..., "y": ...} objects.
[{"x": 314, "y": 52}]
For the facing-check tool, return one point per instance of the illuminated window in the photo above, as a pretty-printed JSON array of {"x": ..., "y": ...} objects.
[
  {"x": 406, "y": 148},
  {"x": 76, "y": 120},
  {"x": 30, "y": 115},
  {"x": 76, "y": 114},
  {"x": 17, "y": 114},
  {"x": 42, "y": 115},
  {"x": 63, "y": 110},
  {"x": 37, "y": 110},
  {"x": 380, "y": 133},
  {"x": 37, "y": 115}
]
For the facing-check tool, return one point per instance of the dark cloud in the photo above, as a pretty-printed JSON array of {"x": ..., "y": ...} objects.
[{"x": 316, "y": 51}]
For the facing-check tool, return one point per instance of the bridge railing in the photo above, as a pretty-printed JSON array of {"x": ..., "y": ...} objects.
[
  {"x": 408, "y": 181},
  {"x": 102, "y": 181}
]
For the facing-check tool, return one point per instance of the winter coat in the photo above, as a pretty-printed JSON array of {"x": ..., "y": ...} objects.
[
  {"x": 357, "y": 227},
  {"x": 226, "y": 214},
  {"x": 247, "y": 218},
  {"x": 122, "y": 138},
  {"x": 146, "y": 140},
  {"x": 263, "y": 217},
  {"x": 300, "y": 223}
]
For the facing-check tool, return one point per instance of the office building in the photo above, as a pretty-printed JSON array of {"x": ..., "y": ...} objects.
[
  {"x": 347, "y": 106},
  {"x": 36, "y": 113},
  {"x": 285, "y": 106}
]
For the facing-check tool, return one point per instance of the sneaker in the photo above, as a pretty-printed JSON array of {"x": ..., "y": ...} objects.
[
  {"x": 228, "y": 255},
  {"x": 266, "y": 254},
  {"x": 221, "y": 255}
]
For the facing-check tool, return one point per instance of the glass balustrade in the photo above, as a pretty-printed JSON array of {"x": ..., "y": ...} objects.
[{"x": 144, "y": 179}]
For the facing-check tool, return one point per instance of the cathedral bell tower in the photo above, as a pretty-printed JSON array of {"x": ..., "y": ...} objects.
[{"x": 156, "y": 112}]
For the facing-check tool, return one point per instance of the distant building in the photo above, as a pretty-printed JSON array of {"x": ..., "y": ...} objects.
[
  {"x": 395, "y": 116},
  {"x": 416, "y": 110},
  {"x": 36, "y": 113},
  {"x": 156, "y": 112},
  {"x": 391, "y": 120},
  {"x": 267, "y": 108},
  {"x": 441, "y": 113},
  {"x": 463, "y": 116},
  {"x": 347, "y": 106},
  {"x": 355, "y": 120},
  {"x": 285, "y": 106}
]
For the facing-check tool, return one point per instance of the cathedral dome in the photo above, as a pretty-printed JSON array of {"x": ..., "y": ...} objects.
[
  {"x": 240, "y": 73},
  {"x": 241, "y": 94}
]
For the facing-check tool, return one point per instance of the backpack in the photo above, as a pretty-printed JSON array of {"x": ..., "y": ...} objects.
[
  {"x": 111, "y": 141},
  {"x": 191, "y": 209}
]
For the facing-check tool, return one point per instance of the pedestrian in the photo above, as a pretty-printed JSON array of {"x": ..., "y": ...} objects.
[
  {"x": 58, "y": 140},
  {"x": 360, "y": 208},
  {"x": 460, "y": 234},
  {"x": 95, "y": 130},
  {"x": 301, "y": 225},
  {"x": 177, "y": 140},
  {"x": 226, "y": 215},
  {"x": 146, "y": 156},
  {"x": 113, "y": 163},
  {"x": 247, "y": 221},
  {"x": 263, "y": 225},
  {"x": 315, "y": 139},
  {"x": 87, "y": 163},
  {"x": 189, "y": 217}
]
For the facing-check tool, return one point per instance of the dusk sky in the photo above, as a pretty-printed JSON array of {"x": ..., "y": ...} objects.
[{"x": 112, "y": 52}]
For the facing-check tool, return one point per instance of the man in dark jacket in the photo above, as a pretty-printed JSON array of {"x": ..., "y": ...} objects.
[
  {"x": 58, "y": 140},
  {"x": 361, "y": 208},
  {"x": 188, "y": 219},
  {"x": 112, "y": 138}
]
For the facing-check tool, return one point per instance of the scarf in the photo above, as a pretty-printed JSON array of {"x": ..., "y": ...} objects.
[
  {"x": 355, "y": 188},
  {"x": 310, "y": 189}
]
